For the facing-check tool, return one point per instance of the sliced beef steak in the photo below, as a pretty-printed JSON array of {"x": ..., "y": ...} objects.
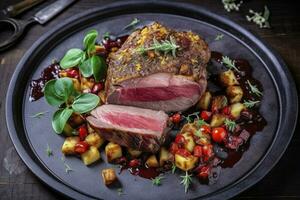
[
  {"x": 158, "y": 80},
  {"x": 138, "y": 128}
]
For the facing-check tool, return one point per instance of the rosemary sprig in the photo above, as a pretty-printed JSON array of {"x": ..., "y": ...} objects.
[
  {"x": 39, "y": 114},
  {"x": 260, "y": 19},
  {"x": 229, "y": 63},
  {"x": 230, "y": 124},
  {"x": 250, "y": 104},
  {"x": 188, "y": 118},
  {"x": 165, "y": 46},
  {"x": 254, "y": 89},
  {"x": 230, "y": 5},
  {"x": 186, "y": 181},
  {"x": 157, "y": 180},
  {"x": 134, "y": 22},
  {"x": 173, "y": 168},
  {"x": 49, "y": 151},
  {"x": 219, "y": 37}
]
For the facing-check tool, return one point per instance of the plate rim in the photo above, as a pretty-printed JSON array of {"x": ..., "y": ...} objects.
[{"x": 63, "y": 189}]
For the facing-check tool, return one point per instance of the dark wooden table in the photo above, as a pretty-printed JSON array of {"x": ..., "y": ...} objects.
[{"x": 283, "y": 182}]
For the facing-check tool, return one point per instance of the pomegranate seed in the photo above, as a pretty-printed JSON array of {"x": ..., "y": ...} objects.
[
  {"x": 97, "y": 88},
  {"x": 82, "y": 132},
  {"x": 72, "y": 73},
  {"x": 179, "y": 139},
  {"x": 134, "y": 163},
  {"x": 226, "y": 110}
]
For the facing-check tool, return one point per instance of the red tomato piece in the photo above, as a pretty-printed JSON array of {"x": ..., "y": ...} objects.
[
  {"x": 206, "y": 115},
  {"x": 72, "y": 73},
  {"x": 176, "y": 118},
  {"x": 82, "y": 132},
  {"x": 183, "y": 152},
  {"x": 81, "y": 147},
  {"x": 134, "y": 163},
  {"x": 197, "y": 151},
  {"x": 204, "y": 172},
  {"x": 205, "y": 129},
  {"x": 226, "y": 110},
  {"x": 207, "y": 150},
  {"x": 174, "y": 148},
  {"x": 219, "y": 134},
  {"x": 179, "y": 139}
]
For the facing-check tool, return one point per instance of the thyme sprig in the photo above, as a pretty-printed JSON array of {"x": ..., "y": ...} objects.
[
  {"x": 254, "y": 89},
  {"x": 230, "y": 5},
  {"x": 157, "y": 180},
  {"x": 173, "y": 168},
  {"x": 134, "y": 22},
  {"x": 164, "y": 46},
  {"x": 219, "y": 37},
  {"x": 261, "y": 19},
  {"x": 188, "y": 118},
  {"x": 186, "y": 181},
  {"x": 230, "y": 124},
  {"x": 49, "y": 151},
  {"x": 229, "y": 63},
  {"x": 250, "y": 104}
]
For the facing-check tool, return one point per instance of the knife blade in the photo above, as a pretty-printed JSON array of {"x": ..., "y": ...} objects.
[{"x": 50, "y": 11}]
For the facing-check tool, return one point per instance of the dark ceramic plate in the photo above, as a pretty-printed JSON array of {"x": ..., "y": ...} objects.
[{"x": 30, "y": 135}]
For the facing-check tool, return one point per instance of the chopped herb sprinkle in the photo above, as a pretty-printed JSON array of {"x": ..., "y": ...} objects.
[
  {"x": 230, "y": 5},
  {"x": 254, "y": 89},
  {"x": 229, "y": 63},
  {"x": 39, "y": 114},
  {"x": 186, "y": 181},
  {"x": 230, "y": 124},
  {"x": 219, "y": 37},
  {"x": 260, "y": 19},
  {"x": 49, "y": 151},
  {"x": 134, "y": 22},
  {"x": 157, "y": 180},
  {"x": 250, "y": 104}
]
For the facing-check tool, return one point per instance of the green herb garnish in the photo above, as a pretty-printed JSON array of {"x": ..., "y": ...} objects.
[
  {"x": 230, "y": 5},
  {"x": 164, "y": 46},
  {"x": 157, "y": 180},
  {"x": 88, "y": 63},
  {"x": 173, "y": 168},
  {"x": 106, "y": 35},
  {"x": 201, "y": 122},
  {"x": 250, "y": 104},
  {"x": 39, "y": 114},
  {"x": 134, "y": 22},
  {"x": 67, "y": 168},
  {"x": 219, "y": 37},
  {"x": 49, "y": 151},
  {"x": 230, "y": 124},
  {"x": 260, "y": 19},
  {"x": 61, "y": 92},
  {"x": 120, "y": 191},
  {"x": 186, "y": 181},
  {"x": 254, "y": 89},
  {"x": 188, "y": 118},
  {"x": 229, "y": 63}
]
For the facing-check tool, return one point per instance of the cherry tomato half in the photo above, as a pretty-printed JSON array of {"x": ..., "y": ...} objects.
[
  {"x": 207, "y": 150},
  {"x": 206, "y": 115},
  {"x": 218, "y": 134},
  {"x": 197, "y": 151},
  {"x": 81, "y": 147},
  {"x": 179, "y": 139},
  {"x": 82, "y": 132}
]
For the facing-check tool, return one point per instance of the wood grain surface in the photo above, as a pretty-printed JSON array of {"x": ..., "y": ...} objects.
[{"x": 283, "y": 182}]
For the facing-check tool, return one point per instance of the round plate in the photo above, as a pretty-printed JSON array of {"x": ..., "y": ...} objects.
[{"x": 31, "y": 136}]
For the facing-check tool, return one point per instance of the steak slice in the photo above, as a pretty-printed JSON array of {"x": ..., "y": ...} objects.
[
  {"x": 156, "y": 80},
  {"x": 133, "y": 127}
]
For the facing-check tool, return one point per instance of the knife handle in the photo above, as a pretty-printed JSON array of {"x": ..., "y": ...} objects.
[{"x": 16, "y": 9}]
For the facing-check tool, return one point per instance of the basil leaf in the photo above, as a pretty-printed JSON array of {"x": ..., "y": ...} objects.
[
  {"x": 72, "y": 58},
  {"x": 64, "y": 88},
  {"x": 86, "y": 68},
  {"x": 85, "y": 102},
  {"x": 99, "y": 67},
  {"x": 60, "y": 119},
  {"x": 90, "y": 40},
  {"x": 51, "y": 96}
]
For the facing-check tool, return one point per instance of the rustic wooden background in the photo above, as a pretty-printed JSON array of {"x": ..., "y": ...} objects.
[{"x": 283, "y": 182}]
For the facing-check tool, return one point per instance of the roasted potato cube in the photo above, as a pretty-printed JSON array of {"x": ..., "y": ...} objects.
[
  {"x": 218, "y": 103},
  {"x": 76, "y": 120},
  {"x": 134, "y": 153},
  {"x": 94, "y": 139},
  {"x": 86, "y": 84},
  {"x": 152, "y": 161},
  {"x": 228, "y": 78},
  {"x": 113, "y": 151},
  {"x": 76, "y": 84},
  {"x": 164, "y": 156},
  {"x": 217, "y": 120},
  {"x": 190, "y": 143},
  {"x": 235, "y": 93},
  {"x": 109, "y": 176},
  {"x": 90, "y": 156},
  {"x": 69, "y": 145},
  {"x": 204, "y": 101},
  {"x": 185, "y": 163},
  {"x": 68, "y": 130},
  {"x": 236, "y": 109}
]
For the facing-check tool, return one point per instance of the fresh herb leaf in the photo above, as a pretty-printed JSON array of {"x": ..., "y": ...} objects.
[
  {"x": 157, "y": 180},
  {"x": 134, "y": 22},
  {"x": 165, "y": 46},
  {"x": 72, "y": 58},
  {"x": 120, "y": 191},
  {"x": 250, "y": 104},
  {"x": 39, "y": 114},
  {"x": 229, "y": 63},
  {"x": 98, "y": 67},
  {"x": 64, "y": 88},
  {"x": 90, "y": 40},
  {"x": 85, "y": 102},
  {"x": 230, "y": 5},
  {"x": 173, "y": 168},
  {"x": 60, "y": 119},
  {"x": 49, "y": 151},
  {"x": 261, "y": 19},
  {"x": 51, "y": 95},
  {"x": 230, "y": 124},
  {"x": 86, "y": 68},
  {"x": 200, "y": 122},
  {"x": 67, "y": 168},
  {"x": 254, "y": 89},
  {"x": 219, "y": 37},
  {"x": 186, "y": 181}
]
